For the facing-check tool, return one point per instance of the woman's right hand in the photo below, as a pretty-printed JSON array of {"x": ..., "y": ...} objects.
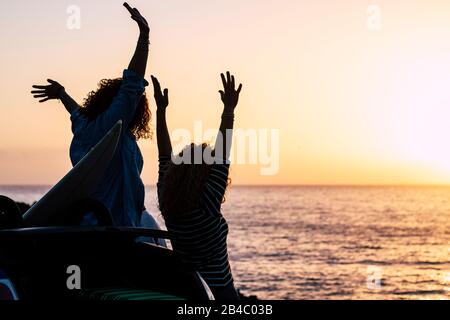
[
  {"x": 51, "y": 91},
  {"x": 140, "y": 20},
  {"x": 162, "y": 99}
]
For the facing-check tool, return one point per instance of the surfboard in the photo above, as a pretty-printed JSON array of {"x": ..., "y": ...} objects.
[{"x": 78, "y": 183}]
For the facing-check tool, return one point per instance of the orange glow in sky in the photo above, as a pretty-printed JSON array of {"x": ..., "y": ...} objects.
[{"x": 353, "y": 105}]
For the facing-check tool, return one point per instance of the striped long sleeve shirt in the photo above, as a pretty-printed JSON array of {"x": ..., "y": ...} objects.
[{"x": 201, "y": 235}]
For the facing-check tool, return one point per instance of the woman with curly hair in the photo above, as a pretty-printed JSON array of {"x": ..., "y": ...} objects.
[
  {"x": 121, "y": 189},
  {"x": 191, "y": 190}
]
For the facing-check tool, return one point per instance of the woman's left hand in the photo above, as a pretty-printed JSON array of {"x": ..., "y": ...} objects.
[
  {"x": 229, "y": 94},
  {"x": 136, "y": 16}
]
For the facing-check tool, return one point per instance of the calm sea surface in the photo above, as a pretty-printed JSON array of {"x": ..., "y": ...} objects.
[{"x": 331, "y": 242}]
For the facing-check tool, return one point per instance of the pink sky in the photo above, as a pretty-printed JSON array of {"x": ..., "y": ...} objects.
[{"x": 352, "y": 106}]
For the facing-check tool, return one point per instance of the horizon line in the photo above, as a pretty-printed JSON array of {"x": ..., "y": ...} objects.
[{"x": 284, "y": 185}]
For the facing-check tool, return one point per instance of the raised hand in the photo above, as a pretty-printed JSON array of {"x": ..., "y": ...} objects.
[
  {"x": 136, "y": 16},
  {"x": 51, "y": 91},
  {"x": 162, "y": 99},
  {"x": 162, "y": 133},
  {"x": 230, "y": 95}
]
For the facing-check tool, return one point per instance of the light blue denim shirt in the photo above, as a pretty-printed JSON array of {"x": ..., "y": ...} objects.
[{"x": 121, "y": 189}]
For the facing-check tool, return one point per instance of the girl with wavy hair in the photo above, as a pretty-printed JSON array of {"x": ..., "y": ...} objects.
[
  {"x": 121, "y": 189},
  {"x": 191, "y": 191}
]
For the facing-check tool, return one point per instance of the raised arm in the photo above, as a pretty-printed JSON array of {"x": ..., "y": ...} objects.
[
  {"x": 123, "y": 106},
  {"x": 162, "y": 133},
  {"x": 138, "y": 63},
  {"x": 55, "y": 91},
  {"x": 230, "y": 98}
]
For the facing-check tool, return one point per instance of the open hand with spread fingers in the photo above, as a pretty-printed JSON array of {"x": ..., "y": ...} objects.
[
  {"x": 229, "y": 94},
  {"x": 48, "y": 92}
]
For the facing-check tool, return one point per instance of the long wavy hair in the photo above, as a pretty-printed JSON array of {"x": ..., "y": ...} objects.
[
  {"x": 184, "y": 184},
  {"x": 99, "y": 101}
]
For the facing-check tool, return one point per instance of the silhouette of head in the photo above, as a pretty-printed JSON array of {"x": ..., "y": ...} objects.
[
  {"x": 99, "y": 101},
  {"x": 184, "y": 181}
]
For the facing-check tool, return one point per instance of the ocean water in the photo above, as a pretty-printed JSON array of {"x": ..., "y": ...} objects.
[{"x": 331, "y": 242}]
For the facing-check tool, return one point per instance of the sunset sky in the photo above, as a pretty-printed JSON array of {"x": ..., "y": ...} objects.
[{"x": 352, "y": 105}]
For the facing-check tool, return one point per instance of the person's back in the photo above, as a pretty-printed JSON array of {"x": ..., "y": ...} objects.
[
  {"x": 121, "y": 189},
  {"x": 191, "y": 193},
  {"x": 200, "y": 234}
]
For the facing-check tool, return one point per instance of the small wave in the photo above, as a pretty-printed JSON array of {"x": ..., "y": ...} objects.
[
  {"x": 431, "y": 263},
  {"x": 362, "y": 247},
  {"x": 418, "y": 281},
  {"x": 430, "y": 268},
  {"x": 417, "y": 292},
  {"x": 339, "y": 293},
  {"x": 395, "y": 262},
  {"x": 373, "y": 263}
]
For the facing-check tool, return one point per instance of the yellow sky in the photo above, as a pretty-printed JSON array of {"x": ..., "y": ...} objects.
[{"x": 352, "y": 106}]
